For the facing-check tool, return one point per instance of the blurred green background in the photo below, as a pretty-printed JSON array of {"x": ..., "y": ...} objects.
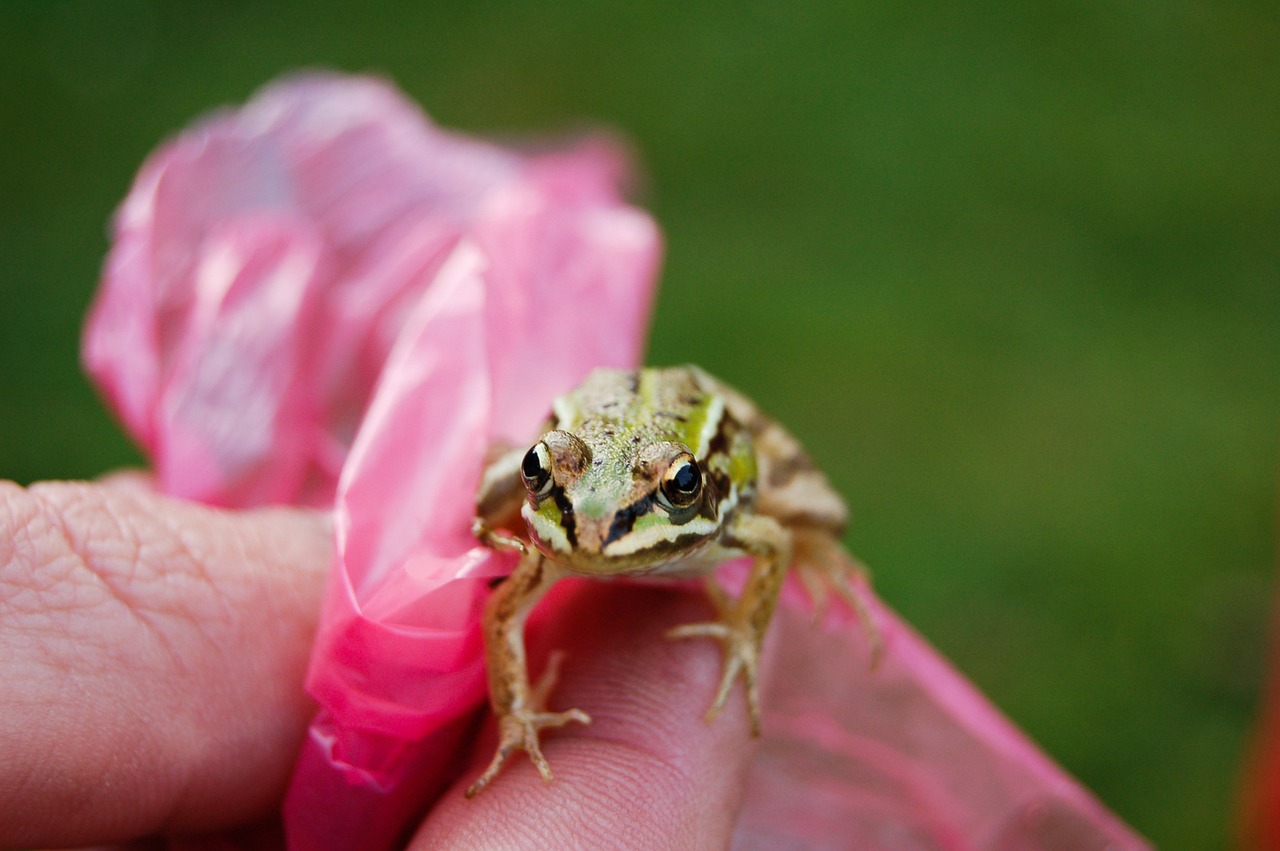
[{"x": 1011, "y": 270}]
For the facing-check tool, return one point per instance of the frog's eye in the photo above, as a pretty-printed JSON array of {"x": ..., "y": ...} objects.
[
  {"x": 535, "y": 470},
  {"x": 681, "y": 484}
]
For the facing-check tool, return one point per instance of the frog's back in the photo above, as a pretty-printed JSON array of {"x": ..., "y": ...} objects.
[
  {"x": 729, "y": 435},
  {"x": 618, "y": 408},
  {"x": 789, "y": 486}
]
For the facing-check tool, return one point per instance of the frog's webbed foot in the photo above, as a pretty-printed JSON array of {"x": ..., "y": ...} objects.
[
  {"x": 495, "y": 540},
  {"x": 518, "y": 729},
  {"x": 825, "y": 567},
  {"x": 741, "y": 643}
]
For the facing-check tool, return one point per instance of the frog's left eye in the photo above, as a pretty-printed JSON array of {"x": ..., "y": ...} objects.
[
  {"x": 681, "y": 484},
  {"x": 535, "y": 470}
]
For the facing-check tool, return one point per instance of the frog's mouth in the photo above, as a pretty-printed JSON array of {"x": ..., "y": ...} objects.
[
  {"x": 662, "y": 543},
  {"x": 630, "y": 541}
]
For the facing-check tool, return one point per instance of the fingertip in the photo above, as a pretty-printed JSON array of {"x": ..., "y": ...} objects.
[{"x": 649, "y": 771}]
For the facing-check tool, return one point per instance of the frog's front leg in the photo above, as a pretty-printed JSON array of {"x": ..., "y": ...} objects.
[
  {"x": 742, "y": 624},
  {"x": 517, "y": 704}
]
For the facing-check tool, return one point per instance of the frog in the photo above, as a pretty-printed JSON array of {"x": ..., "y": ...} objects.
[{"x": 658, "y": 473}]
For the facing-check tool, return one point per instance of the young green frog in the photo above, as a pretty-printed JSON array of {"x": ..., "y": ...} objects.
[{"x": 654, "y": 472}]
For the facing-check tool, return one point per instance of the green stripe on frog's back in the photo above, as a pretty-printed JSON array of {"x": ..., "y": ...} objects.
[
  {"x": 681, "y": 408},
  {"x": 688, "y": 409},
  {"x": 646, "y": 405}
]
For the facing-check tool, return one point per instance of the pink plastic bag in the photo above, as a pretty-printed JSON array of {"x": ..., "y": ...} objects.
[
  {"x": 265, "y": 261},
  {"x": 323, "y": 299}
]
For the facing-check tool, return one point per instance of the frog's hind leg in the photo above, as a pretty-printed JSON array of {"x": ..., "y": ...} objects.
[
  {"x": 823, "y": 566},
  {"x": 741, "y": 625}
]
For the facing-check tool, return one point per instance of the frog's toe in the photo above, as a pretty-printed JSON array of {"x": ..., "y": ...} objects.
[
  {"x": 519, "y": 731},
  {"x": 733, "y": 664},
  {"x": 558, "y": 719},
  {"x": 741, "y": 656},
  {"x": 713, "y": 629},
  {"x": 500, "y": 757}
]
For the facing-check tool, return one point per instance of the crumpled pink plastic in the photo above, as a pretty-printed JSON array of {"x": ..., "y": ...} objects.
[
  {"x": 908, "y": 755},
  {"x": 264, "y": 263},
  {"x": 320, "y": 298}
]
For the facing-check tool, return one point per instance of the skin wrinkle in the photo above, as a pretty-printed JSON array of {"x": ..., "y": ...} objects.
[
  {"x": 164, "y": 691},
  {"x": 122, "y": 574},
  {"x": 66, "y": 652},
  {"x": 634, "y": 833},
  {"x": 59, "y": 514},
  {"x": 193, "y": 554},
  {"x": 682, "y": 779},
  {"x": 16, "y": 523},
  {"x": 257, "y": 539},
  {"x": 56, "y": 599},
  {"x": 624, "y": 759},
  {"x": 25, "y": 548},
  {"x": 246, "y": 548},
  {"x": 184, "y": 585},
  {"x": 665, "y": 746}
]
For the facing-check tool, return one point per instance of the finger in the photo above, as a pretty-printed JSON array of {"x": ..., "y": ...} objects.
[
  {"x": 152, "y": 654},
  {"x": 648, "y": 772}
]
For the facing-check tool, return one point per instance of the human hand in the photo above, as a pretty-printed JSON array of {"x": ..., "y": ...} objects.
[{"x": 153, "y": 654}]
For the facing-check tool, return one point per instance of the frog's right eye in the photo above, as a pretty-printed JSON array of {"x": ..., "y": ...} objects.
[{"x": 535, "y": 470}]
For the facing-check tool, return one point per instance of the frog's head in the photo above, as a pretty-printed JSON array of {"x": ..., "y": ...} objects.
[{"x": 616, "y": 505}]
